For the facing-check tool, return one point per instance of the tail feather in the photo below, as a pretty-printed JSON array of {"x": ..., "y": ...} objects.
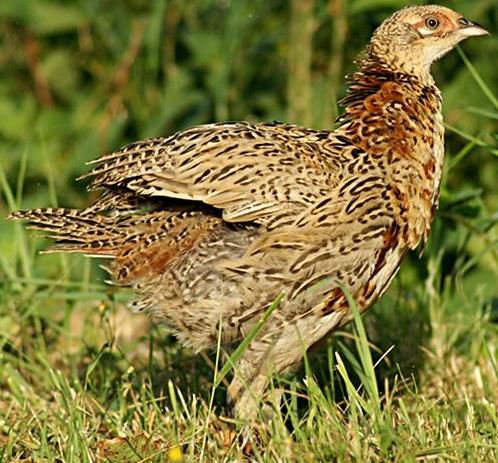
[
  {"x": 73, "y": 230},
  {"x": 141, "y": 245}
]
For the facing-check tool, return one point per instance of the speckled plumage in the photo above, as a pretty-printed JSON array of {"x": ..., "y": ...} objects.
[{"x": 212, "y": 223}]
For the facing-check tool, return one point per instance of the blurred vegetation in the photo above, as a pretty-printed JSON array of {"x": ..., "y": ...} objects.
[{"x": 82, "y": 77}]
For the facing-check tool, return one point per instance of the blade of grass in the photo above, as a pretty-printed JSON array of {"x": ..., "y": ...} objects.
[
  {"x": 361, "y": 343},
  {"x": 21, "y": 176},
  {"x": 472, "y": 139},
  {"x": 213, "y": 389},
  {"x": 21, "y": 239},
  {"x": 232, "y": 359},
  {"x": 453, "y": 161},
  {"x": 480, "y": 82},
  {"x": 483, "y": 112},
  {"x": 7, "y": 191}
]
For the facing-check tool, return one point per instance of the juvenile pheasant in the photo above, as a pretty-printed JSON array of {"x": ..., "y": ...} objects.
[{"x": 211, "y": 224}]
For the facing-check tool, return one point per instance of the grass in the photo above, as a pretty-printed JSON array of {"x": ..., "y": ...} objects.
[{"x": 84, "y": 380}]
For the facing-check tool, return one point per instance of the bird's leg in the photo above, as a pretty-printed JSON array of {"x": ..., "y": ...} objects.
[
  {"x": 278, "y": 349},
  {"x": 248, "y": 399},
  {"x": 251, "y": 377},
  {"x": 268, "y": 354}
]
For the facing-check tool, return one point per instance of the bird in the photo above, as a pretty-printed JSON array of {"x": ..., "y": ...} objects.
[{"x": 212, "y": 225}]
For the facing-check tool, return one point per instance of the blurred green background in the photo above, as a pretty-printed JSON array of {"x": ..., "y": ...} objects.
[{"x": 82, "y": 77}]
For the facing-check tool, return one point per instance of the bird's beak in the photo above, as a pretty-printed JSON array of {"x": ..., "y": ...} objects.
[{"x": 472, "y": 29}]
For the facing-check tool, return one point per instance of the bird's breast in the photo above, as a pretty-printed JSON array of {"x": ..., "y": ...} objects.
[{"x": 398, "y": 125}]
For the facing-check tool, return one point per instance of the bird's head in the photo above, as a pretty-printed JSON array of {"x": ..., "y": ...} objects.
[{"x": 414, "y": 37}]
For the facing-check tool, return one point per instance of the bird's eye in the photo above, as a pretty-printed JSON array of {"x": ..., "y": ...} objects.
[{"x": 432, "y": 23}]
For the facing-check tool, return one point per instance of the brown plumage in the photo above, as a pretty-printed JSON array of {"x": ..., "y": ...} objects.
[{"x": 212, "y": 223}]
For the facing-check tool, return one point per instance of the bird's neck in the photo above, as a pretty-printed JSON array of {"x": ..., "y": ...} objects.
[
  {"x": 402, "y": 56},
  {"x": 373, "y": 72},
  {"x": 382, "y": 100},
  {"x": 395, "y": 117}
]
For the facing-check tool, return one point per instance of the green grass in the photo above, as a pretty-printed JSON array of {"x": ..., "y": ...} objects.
[{"x": 82, "y": 379}]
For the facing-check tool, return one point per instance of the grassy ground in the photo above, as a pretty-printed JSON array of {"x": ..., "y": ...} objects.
[{"x": 82, "y": 379}]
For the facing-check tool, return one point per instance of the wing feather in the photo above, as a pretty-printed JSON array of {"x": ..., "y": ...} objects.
[{"x": 254, "y": 172}]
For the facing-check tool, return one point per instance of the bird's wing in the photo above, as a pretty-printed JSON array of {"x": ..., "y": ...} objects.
[{"x": 253, "y": 172}]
